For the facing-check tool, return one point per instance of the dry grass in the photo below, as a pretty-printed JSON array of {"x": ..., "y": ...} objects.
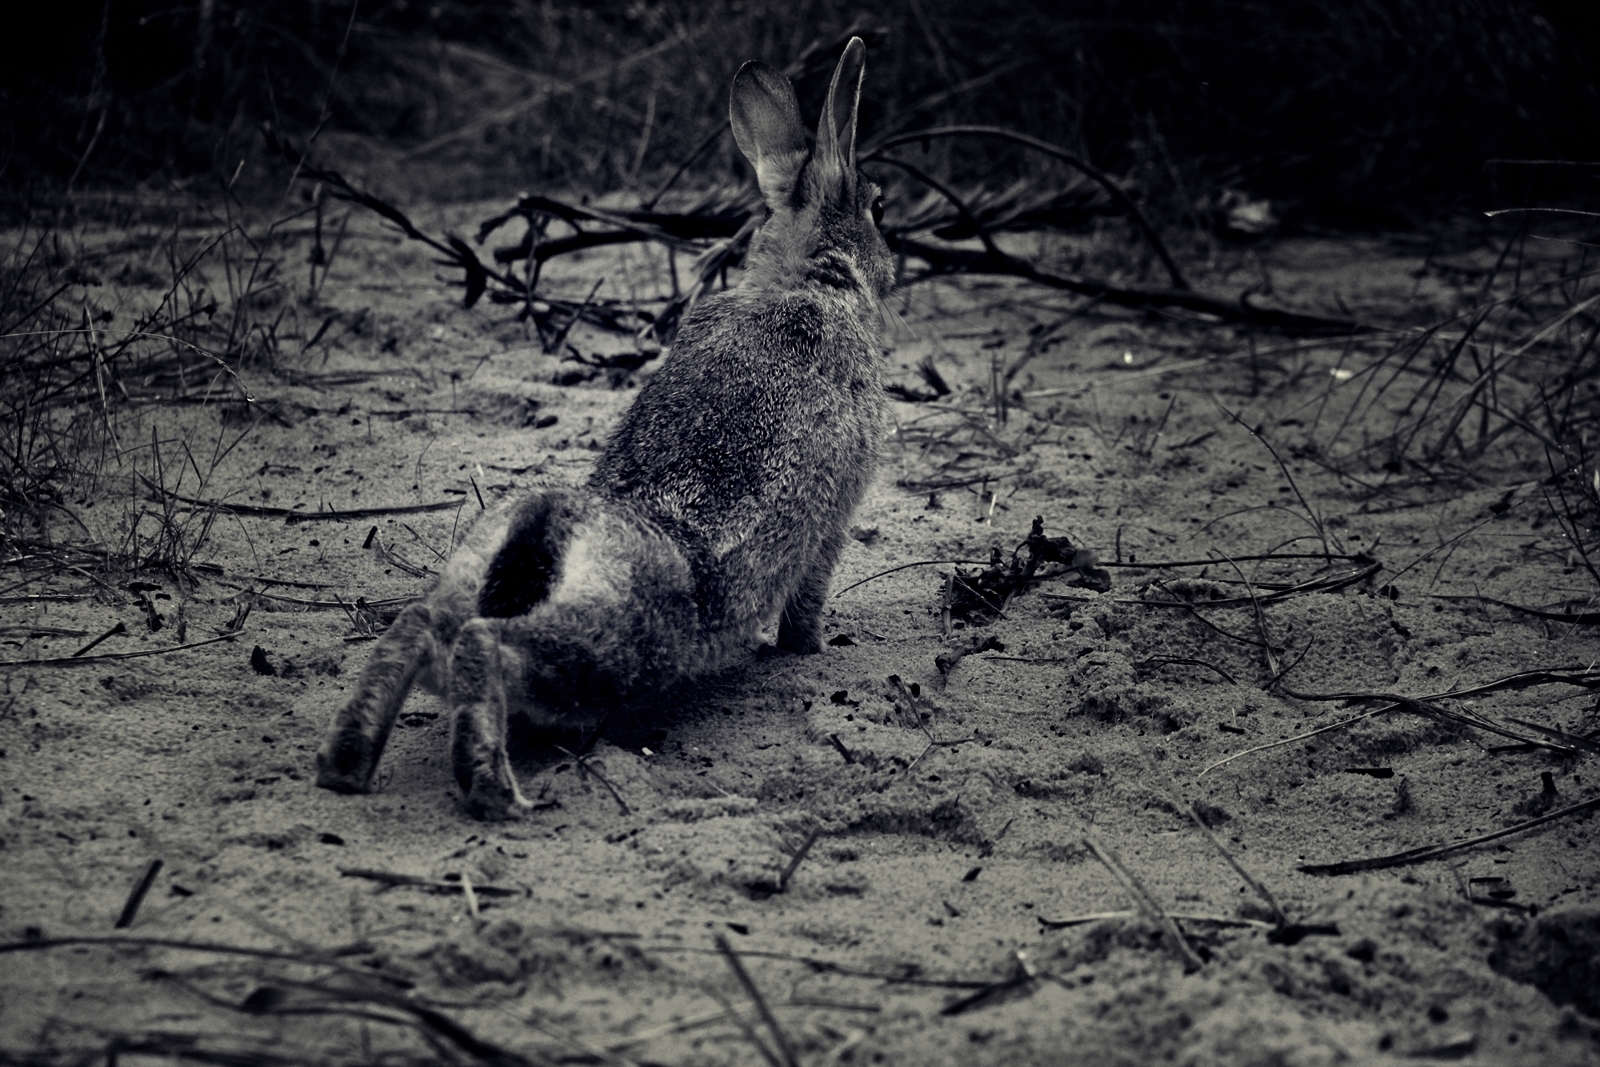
[{"x": 88, "y": 364}]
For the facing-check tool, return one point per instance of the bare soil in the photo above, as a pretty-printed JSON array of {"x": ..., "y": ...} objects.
[{"x": 957, "y": 779}]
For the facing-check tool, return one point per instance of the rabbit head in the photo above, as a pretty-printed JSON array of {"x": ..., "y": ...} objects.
[{"x": 823, "y": 212}]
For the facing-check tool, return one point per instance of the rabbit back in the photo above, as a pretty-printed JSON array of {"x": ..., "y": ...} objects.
[
  {"x": 757, "y": 438},
  {"x": 754, "y": 443}
]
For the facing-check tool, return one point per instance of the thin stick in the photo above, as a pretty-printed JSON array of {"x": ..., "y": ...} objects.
[
  {"x": 1156, "y": 661},
  {"x": 1099, "y": 916},
  {"x": 787, "y": 1051},
  {"x": 677, "y": 1027},
  {"x": 1578, "y": 675},
  {"x": 271, "y": 929},
  {"x": 472, "y": 898},
  {"x": 355, "y": 949},
  {"x": 916, "y": 710},
  {"x": 1341, "y": 724},
  {"x": 1261, "y": 619},
  {"x": 135, "y": 898},
  {"x": 1428, "y": 852},
  {"x": 991, "y": 605},
  {"x": 584, "y": 768},
  {"x": 1422, "y": 706},
  {"x": 688, "y": 161},
  {"x": 849, "y": 757},
  {"x": 119, "y": 628},
  {"x": 1311, "y": 513},
  {"x": 67, "y": 661},
  {"x": 304, "y": 516},
  {"x": 561, "y": 337},
  {"x": 1212, "y": 562},
  {"x": 1147, "y": 903},
  {"x": 1574, "y": 740},
  {"x": 961, "y": 208},
  {"x": 394, "y": 878},
  {"x": 798, "y": 857},
  {"x": 926, "y": 749},
  {"x": 944, "y": 260},
  {"x": 1261, "y": 890},
  {"x": 1194, "y": 813},
  {"x": 1024, "y": 975},
  {"x": 745, "y": 1028},
  {"x": 919, "y": 563},
  {"x": 1586, "y": 618}
]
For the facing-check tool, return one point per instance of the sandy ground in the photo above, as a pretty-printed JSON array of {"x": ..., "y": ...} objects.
[{"x": 898, "y": 851}]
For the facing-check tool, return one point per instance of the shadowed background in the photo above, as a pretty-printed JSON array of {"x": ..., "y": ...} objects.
[{"x": 1348, "y": 112}]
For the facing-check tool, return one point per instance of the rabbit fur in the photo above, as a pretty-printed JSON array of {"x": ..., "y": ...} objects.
[{"x": 721, "y": 502}]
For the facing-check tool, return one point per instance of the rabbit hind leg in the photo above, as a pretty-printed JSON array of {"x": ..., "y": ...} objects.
[
  {"x": 481, "y": 670},
  {"x": 356, "y": 737}
]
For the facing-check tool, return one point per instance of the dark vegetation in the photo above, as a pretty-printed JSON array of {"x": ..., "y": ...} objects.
[{"x": 1350, "y": 112}]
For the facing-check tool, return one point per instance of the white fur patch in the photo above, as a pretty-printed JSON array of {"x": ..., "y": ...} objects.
[{"x": 594, "y": 569}]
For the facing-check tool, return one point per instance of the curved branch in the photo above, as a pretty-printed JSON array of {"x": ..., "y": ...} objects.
[
  {"x": 945, "y": 191},
  {"x": 974, "y": 262},
  {"x": 1100, "y": 177}
]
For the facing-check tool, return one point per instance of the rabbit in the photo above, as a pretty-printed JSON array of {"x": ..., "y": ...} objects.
[{"x": 720, "y": 504}]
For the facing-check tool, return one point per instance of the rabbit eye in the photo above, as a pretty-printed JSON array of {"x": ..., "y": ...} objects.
[{"x": 877, "y": 210}]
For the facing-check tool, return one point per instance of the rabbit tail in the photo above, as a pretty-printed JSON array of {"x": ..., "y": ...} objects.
[{"x": 598, "y": 600}]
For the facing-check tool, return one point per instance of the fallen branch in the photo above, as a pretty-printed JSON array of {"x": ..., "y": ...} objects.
[
  {"x": 967, "y": 261},
  {"x": 1417, "y": 855},
  {"x": 294, "y": 515},
  {"x": 393, "y": 878},
  {"x": 1147, "y": 903},
  {"x": 1093, "y": 173},
  {"x": 74, "y": 659},
  {"x": 1579, "y": 618},
  {"x": 136, "y": 897},
  {"x": 727, "y": 221},
  {"x": 785, "y": 1049}
]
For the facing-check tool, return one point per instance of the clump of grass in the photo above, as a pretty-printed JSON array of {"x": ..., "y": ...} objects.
[
  {"x": 1486, "y": 393},
  {"x": 54, "y": 374},
  {"x": 91, "y": 464}
]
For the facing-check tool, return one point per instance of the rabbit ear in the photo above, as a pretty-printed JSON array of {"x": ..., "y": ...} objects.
[
  {"x": 836, "y": 133},
  {"x": 767, "y": 128}
]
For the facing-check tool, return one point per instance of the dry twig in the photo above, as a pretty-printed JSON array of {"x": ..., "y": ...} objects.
[
  {"x": 1428, "y": 852},
  {"x": 785, "y": 1049},
  {"x": 136, "y": 897},
  {"x": 1146, "y": 902}
]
